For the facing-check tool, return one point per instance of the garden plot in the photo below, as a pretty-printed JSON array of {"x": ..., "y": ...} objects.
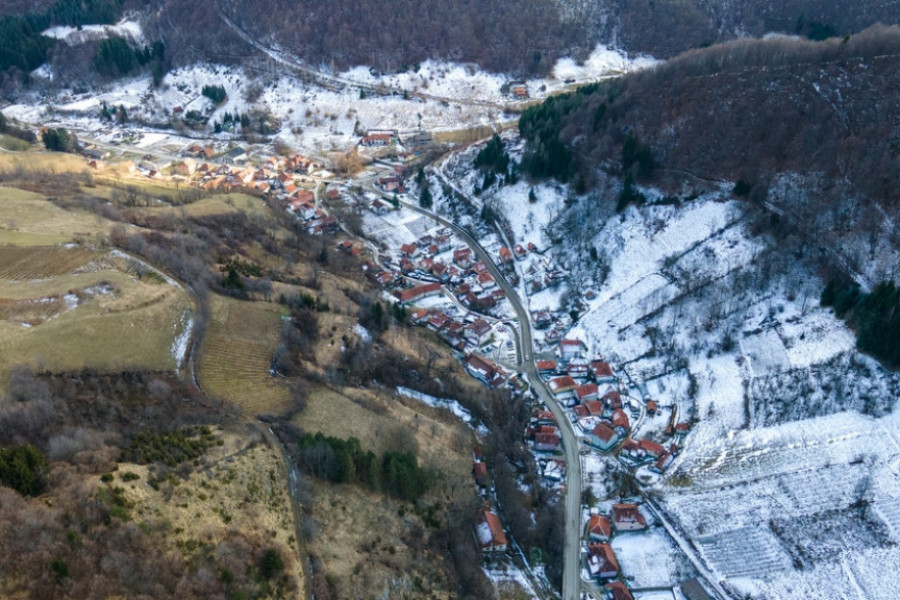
[
  {"x": 650, "y": 558},
  {"x": 752, "y": 552},
  {"x": 766, "y": 352},
  {"x": 395, "y": 228}
]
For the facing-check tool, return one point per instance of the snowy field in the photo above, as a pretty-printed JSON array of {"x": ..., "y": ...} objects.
[{"x": 649, "y": 558}]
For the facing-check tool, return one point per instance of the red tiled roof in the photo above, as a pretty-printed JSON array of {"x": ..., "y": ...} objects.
[
  {"x": 595, "y": 407},
  {"x": 588, "y": 389},
  {"x": 651, "y": 447},
  {"x": 562, "y": 384},
  {"x": 627, "y": 513},
  {"x": 620, "y": 419},
  {"x": 600, "y": 525},
  {"x": 604, "y": 432},
  {"x": 619, "y": 591},
  {"x": 493, "y": 521},
  {"x": 417, "y": 292}
]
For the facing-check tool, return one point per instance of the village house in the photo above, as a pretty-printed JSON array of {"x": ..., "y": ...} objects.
[
  {"x": 542, "y": 319},
  {"x": 613, "y": 399},
  {"x": 620, "y": 421},
  {"x": 518, "y": 90},
  {"x": 599, "y": 528},
  {"x": 586, "y": 392},
  {"x": 618, "y": 591},
  {"x": 602, "y": 372},
  {"x": 406, "y": 265},
  {"x": 442, "y": 241},
  {"x": 506, "y": 256},
  {"x": 554, "y": 470},
  {"x": 486, "y": 281},
  {"x": 544, "y": 417},
  {"x": 520, "y": 252},
  {"x": 651, "y": 407},
  {"x": 627, "y": 517},
  {"x": 410, "y": 250},
  {"x": 489, "y": 533},
  {"x": 569, "y": 349},
  {"x": 651, "y": 448},
  {"x": 603, "y": 437},
  {"x": 562, "y": 386},
  {"x": 478, "y": 332},
  {"x": 438, "y": 321},
  {"x": 484, "y": 370},
  {"x": 376, "y": 140},
  {"x": 480, "y": 472},
  {"x": 546, "y": 442},
  {"x": 546, "y": 367},
  {"x": 440, "y": 271},
  {"x": 418, "y": 292},
  {"x": 235, "y": 156},
  {"x": 595, "y": 408},
  {"x": 601, "y": 562},
  {"x": 379, "y": 208},
  {"x": 185, "y": 167},
  {"x": 579, "y": 368},
  {"x": 664, "y": 462}
]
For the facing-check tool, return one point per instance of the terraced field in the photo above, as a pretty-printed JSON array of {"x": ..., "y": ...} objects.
[
  {"x": 237, "y": 352},
  {"x": 19, "y": 263}
]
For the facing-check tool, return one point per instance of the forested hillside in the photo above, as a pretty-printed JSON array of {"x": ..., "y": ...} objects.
[
  {"x": 520, "y": 37},
  {"x": 747, "y": 111}
]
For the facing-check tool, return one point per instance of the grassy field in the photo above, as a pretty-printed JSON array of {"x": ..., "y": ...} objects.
[
  {"x": 29, "y": 219},
  {"x": 12, "y": 144},
  {"x": 219, "y": 204},
  {"x": 69, "y": 322},
  {"x": 237, "y": 352},
  {"x": 36, "y": 262},
  {"x": 39, "y": 161}
]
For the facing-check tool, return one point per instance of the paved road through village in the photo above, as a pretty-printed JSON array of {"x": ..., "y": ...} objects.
[{"x": 571, "y": 588}]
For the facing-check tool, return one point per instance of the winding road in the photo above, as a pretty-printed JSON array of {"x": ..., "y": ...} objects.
[{"x": 572, "y": 583}]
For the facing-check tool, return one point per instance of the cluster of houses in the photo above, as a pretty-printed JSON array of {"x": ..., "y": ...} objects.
[
  {"x": 600, "y": 559},
  {"x": 542, "y": 432},
  {"x": 488, "y": 531},
  {"x": 276, "y": 177},
  {"x": 576, "y": 382},
  {"x": 542, "y": 435},
  {"x": 429, "y": 260}
]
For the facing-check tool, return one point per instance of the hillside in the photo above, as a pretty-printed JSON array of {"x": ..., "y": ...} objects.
[
  {"x": 810, "y": 129},
  {"x": 516, "y": 37}
]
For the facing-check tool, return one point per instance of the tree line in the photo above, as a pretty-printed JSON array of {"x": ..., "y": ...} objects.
[
  {"x": 875, "y": 316},
  {"x": 21, "y": 42},
  {"x": 397, "y": 474}
]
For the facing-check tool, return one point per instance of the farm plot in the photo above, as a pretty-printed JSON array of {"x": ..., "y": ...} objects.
[
  {"x": 29, "y": 219},
  {"x": 746, "y": 552},
  {"x": 41, "y": 262},
  {"x": 889, "y": 511},
  {"x": 237, "y": 353},
  {"x": 105, "y": 320},
  {"x": 826, "y": 536}
]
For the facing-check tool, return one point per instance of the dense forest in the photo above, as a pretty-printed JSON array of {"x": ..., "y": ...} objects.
[{"x": 521, "y": 37}]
